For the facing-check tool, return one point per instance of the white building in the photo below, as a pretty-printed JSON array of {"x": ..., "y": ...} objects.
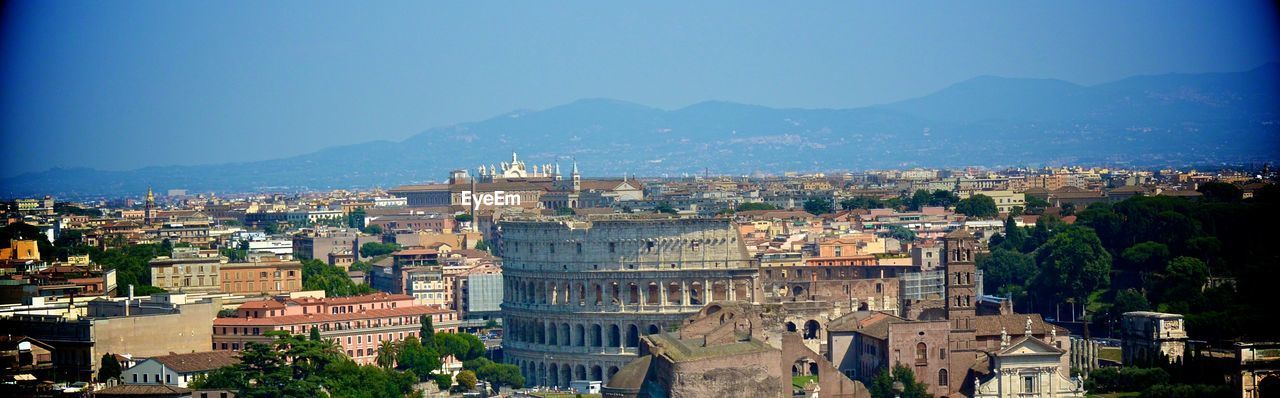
[
  {"x": 178, "y": 369},
  {"x": 1028, "y": 367}
]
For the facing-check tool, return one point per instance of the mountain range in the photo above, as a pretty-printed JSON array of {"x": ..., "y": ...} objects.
[{"x": 1157, "y": 120}]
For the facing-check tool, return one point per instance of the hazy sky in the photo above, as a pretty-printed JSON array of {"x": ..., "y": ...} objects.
[{"x": 126, "y": 84}]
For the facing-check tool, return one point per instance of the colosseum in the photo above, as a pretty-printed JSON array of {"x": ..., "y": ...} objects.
[{"x": 580, "y": 293}]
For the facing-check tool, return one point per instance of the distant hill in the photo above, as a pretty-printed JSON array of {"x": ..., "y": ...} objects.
[{"x": 1172, "y": 119}]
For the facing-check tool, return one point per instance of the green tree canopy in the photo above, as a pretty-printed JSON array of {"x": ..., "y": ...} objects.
[
  {"x": 818, "y": 206},
  {"x": 1073, "y": 264},
  {"x": 1146, "y": 257},
  {"x": 755, "y": 206},
  {"x": 1221, "y": 192},
  {"x": 109, "y": 369},
  {"x": 317, "y": 275},
  {"x": 978, "y": 206},
  {"x": 1004, "y": 270},
  {"x": 882, "y": 385},
  {"x": 374, "y": 249},
  {"x": 901, "y": 233},
  {"x": 862, "y": 202}
]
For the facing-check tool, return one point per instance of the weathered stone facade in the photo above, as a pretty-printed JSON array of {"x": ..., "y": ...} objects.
[{"x": 580, "y": 293}]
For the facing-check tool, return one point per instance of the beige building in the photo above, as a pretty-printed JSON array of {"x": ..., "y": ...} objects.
[
  {"x": 188, "y": 270},
  {"x": 262, "y": 278},
  {"x": 1005, "y": 200}
]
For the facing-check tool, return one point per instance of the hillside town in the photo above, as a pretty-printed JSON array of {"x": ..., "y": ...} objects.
[{"x": 520, "y": 279}]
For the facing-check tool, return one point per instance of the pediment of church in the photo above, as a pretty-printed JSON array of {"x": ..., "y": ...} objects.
[{"x": 1028, "y": 345}]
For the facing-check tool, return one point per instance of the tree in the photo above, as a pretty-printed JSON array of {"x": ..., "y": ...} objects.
[
  {"x": 943, "y": 198},
  {"x": 882, "y": 384},
  {"x": 467, "y": 379},
  {"x": 1184, "y": 281},
  {"x": 386, "y": 354},
  {"x": 428, "y": 330},
  {"x": 1036, "y": 204},
  {"x": 416, "y": 357},
  {"x": 372, "y": 230},
  {"x": 374, "y": 249},
  {"x": 901, "y": 233},
  {"x": 1014, "y": 236},
  {"x": 443, "y": 381},
  {"x": 861, "y": 202},
  {"x": 463, "y": 346},
  {"x": 316, "y": 275},
  {"x": 315, "y": 333},
  {"x": 293, "y": 366},
  {"x": 355, "y": 219},
  {"x": 1073, "y": 264},
  {"x": 463, "y": 217},
  {"x": 978, "y": 206},
  {"x": 919, "y": 199},
  {"x": 482, "y": 245},
  {"x": 1003, "y": 268},
  {"x": 498, "y": 374},
  {"x": 755, "y": 206},
  {"x": 817, "y": 206},
  {"x": 1146, "y": 257},
  {"x": 1017, "y": 211},
  {"x": 1221, "y": 192},
  {"x": 664, "y": 207},
  {"x": 1129, "y": 300},
  {"x": 110, "y": 368}
]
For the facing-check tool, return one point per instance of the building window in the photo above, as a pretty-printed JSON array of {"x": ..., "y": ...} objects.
[
  {"x": 922, "y": 353},
  {"x": 1028, "y": 384},
  {"x": 942, "y": 353},
  {"x": 942, "y": 377},
  {"x": 612, "y": 247}
]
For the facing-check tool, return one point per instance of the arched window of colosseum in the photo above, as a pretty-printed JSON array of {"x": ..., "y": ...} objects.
[
  {"x": 791, "y": 326},
  {"x": 582, "y": 294},
  {"x": 719, "y": 291},
  {"x": 633, "y": 336},
  {"x": 579, "y": 335},
  {"x": 633, "y": 293},
  {"x": 553, "y": 375},
  {"x": 539, "y": 334},
  {"x": 673, "y": 294},
  {"x": 653, "y": 329},
  {"x": 553, "y": 336},
  {"x": 696, "y": 293},
  {"x": 615, "y": 336},
  {"x": 596, "y": 336},
  {"x": 654, "y": 294},
  {"x": 615, "y": 293},
  {"x": 597, "y": 374},
  {"x": 740, "y": 289},
  {"x": 580, "y": 372},
  {"x": 598, "y": 293},
  {"x": 566, "y": 375}
]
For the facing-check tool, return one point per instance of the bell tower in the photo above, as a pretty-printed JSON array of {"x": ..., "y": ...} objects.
[
  {"x": 962, "y": 294},
  {"x": 148, "y": 212}
]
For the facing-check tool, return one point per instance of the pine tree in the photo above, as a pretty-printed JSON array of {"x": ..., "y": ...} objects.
[
  {"x": 428, "y": 331},
  {"x": 110, "y": 368}
]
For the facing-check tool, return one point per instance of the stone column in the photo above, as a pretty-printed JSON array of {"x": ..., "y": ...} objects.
[
  {"x": 662, "y": 295},
  {"x": 684, "y": 293}
]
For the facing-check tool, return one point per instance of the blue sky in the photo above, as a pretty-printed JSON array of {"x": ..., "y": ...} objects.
[{"x": 126, "y": 84}]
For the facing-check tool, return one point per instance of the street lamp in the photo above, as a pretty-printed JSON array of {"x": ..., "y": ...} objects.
[{"x": 898, "y": 388}]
